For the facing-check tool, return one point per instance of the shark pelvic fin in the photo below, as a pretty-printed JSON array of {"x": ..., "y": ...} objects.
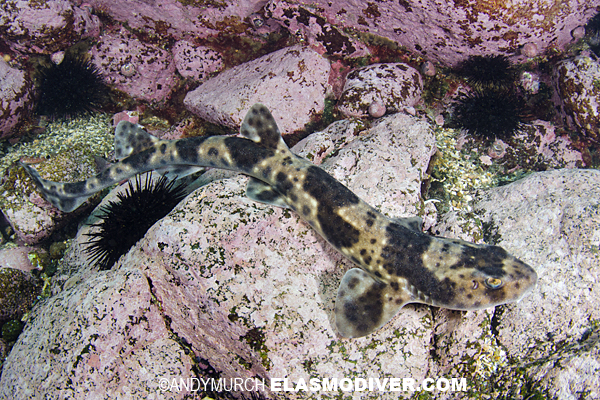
[
  {"x": 263, "y": 193},
  {"x": 260, "y": 127},
  {"x": 131, "y": 138},
  {"x": 364, "y": 304}
]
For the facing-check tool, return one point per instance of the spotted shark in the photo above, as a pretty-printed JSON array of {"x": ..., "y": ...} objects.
[{"x": 396, "y": 262}]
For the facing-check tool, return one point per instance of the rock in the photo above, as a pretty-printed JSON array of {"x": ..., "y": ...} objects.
[
  {"x": 45, "y": 26},
  {"x": 179, "y": 19},
  {"x": 103, "y": 337},
  {"x": 141, "y": 70},
  {"x": 196, "y": 62},
  {"x": 578, "y": 94},
  {"x": 15, "y": 98},
  {"x": 550, "y": 220},
  {"x": 446, "y": 35},
  {"x": 316, "y": 29},
  {"x": 292, "y": 81},
  {"x": 18, "y": 292},
  {"x": 391, "y": 86},
  {"x": 18, "y": 258}
]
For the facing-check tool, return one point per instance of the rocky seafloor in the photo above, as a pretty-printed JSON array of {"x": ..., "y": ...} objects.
[{"x": 223, "y": 287}]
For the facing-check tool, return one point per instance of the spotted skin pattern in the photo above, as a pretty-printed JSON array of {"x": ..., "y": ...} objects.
[{"x": 397, "y": 263}]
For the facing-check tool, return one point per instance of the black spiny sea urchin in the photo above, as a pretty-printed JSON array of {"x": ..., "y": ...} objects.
[
  {"x": 488, "y": 72},
  {"x": 490, "y": 114},
  {"x": 72, "y": 87},
  {"x": 124, "y": 222}
]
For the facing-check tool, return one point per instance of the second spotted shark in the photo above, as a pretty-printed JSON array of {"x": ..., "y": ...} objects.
[{"x": 397, "y": 262}]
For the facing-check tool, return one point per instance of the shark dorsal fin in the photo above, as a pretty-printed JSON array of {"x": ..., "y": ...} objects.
[
  {"x": 260, "y": 127},
  {"x": 130, "y": 139}
]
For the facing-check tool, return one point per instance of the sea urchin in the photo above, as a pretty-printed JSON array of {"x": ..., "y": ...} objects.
[
  {"x": 488, "y": 72},
  {"x": 72, "y": 87},
  {"x": 490, "y": 114},
  {"x": 124, "y": 222}
]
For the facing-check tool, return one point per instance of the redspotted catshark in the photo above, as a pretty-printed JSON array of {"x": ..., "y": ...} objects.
[{"x": 396, "y": 262}]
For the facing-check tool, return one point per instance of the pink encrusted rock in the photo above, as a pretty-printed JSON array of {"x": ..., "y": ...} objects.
[
  {"x": 387, "y": 86},
  {"x": 195, "y": 62},
  {"x": 15, "y": 98},
  {"x": 293, "y": 81},
  {"x": 550, "y": 220},
  {"x": 443, "y": 32},
  {"x": 45, "y": 26},
  {"x": 139, "y": 69},
  {"x": 104, "y": 337},
  {"x": 180, "y": 18},
  {"x": 577, "y": 83},
  {"x": 315, "y": 29}
]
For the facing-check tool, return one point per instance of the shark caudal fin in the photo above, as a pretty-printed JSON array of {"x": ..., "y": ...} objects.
[
  {"x": 56, "y": 193},
  {"x": 365, "y": 304}
]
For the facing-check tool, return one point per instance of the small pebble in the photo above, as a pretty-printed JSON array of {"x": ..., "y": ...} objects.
[
  {"x": 439, "y": 120},
  {"x": 427, "y": 68},
  {"x": 376, "y": 109},
  {"x": 128, "y": 70},
  {"x": 578, "y": 32},
  {"x": 530, "y": 50},
  {"x": 57, "y": 57}
]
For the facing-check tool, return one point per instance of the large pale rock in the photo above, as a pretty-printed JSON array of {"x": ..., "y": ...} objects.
[
  {"x": 293, "y": 81},
  {"x": 551, "y": 220},
  {"x": 102, "y": 338}
]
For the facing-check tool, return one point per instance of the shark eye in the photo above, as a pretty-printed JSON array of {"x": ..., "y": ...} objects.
[{"x": 493, "y": 283}]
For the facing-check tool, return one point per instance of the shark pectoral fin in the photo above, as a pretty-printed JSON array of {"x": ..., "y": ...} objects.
[
  {"x": 364, "y": 304},
  {"x": 263, "y": 193},
  {"x": 130, "y": 139},
  {"x": 412, "y": 223}
]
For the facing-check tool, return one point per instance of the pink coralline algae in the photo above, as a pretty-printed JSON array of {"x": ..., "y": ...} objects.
[
  {"x": 177, "y": 18},
  {"x": 14, "y": 97},
  {"x": 292, "y": 80},
  {"x": 380, "y": 87},
  {"x": 443, "y": 32},
  {"x": 45, "y": 26},
  {"x": 577, "y": 83},
  {"x": 195, "y": 62},
  {"x": 141, "y": 70}
]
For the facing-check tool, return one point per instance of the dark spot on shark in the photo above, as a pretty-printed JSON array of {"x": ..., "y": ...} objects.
[
  {"x": 163, "y": 148},
  {"x": 369, "y": 222},
  {"x": 267, "y": 172},
  {"x": 332, "y": 195},
  {"x": 353, "y": 282},
  {"x": 286, "y": 161},
  {"x": 224, "y": 162},
  {"x": 188, "y": 149},
  {"x": 246, "y": 157},
  {"x": 293, "y": 197},
  {"x": 363, "y": 252},
  {"x": 213, "y": 152},
  {"x": 139, "y": 161},
  {"x": 283, "y": 184},
  {"x": 305, "y": 210},
  {"x": 367, "y": 260},
  {"x": 118, "y": 170},
  {"x": 394, "y": 285},
  {"x": 373, "y": 241},
  {"x": 75, "y": 188}
]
